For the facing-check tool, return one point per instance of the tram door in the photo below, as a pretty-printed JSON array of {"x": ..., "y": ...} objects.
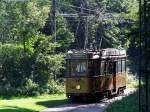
[{"x": 114, "y": 72}]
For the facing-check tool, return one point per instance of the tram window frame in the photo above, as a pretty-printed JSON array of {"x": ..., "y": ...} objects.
[
  {"x": 110, "y": 69},
  {"x": 102, "y": 68},
  {"x": 106, "y": 68},
  {"x": 97, "y": 67},
  {"x": 67, "y": 73},
  {"x": 68, "y": 68},
  {"x": 83, "y": 74},
  {"x": 93, "y": 67},
  {"x": 123, "y": 66},
  {"x": 90, "y": 67},
  {"x": 119, "y": 68}
]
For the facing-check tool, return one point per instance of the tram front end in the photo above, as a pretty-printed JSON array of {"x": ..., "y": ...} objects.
[{"x": 78, "y": 82}]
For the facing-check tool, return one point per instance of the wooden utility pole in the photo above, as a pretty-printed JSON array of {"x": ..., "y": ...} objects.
[
  {"x": 145, "y": 6},
  {"x": 53, "y": 28},
  {"x": 140, "y": 55},
  {"x": 86, "y": 32},
  {"x": 144, "y": 55}
]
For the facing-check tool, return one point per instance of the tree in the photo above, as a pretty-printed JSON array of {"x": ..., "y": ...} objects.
[
  {"x": 21, "y": 20},
  {"x": 113, "y": 36}
]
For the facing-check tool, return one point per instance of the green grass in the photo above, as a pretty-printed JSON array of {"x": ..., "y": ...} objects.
[
  {"x": 31, "y": 104},
  {"x": 127, "y": 104}
]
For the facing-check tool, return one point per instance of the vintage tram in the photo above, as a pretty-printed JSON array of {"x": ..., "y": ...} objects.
[{"x": 93, "y": 74}]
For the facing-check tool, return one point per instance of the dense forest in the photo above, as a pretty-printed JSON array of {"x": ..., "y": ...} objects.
[{"x": 32, "y": 56}]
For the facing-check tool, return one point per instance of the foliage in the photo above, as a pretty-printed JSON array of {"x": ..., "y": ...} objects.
[
  {"x": 119, "y": 6},
  {"x": 115, "y": 33},
  {"x": 26, "y": 74},
  {"x": 22, "y": 20},
  {"x": 132, "y": 82},
  {"x": 65, "y": 39}
]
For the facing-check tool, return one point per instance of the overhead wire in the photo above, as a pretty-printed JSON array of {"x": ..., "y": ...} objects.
[
  {"x": 81, "y": 12},
  {"x": 104, "y": 17},
  {"x": 76, "y": 7}
]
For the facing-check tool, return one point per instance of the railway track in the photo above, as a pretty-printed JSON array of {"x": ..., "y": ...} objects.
[{"x": 89, "y": 107}]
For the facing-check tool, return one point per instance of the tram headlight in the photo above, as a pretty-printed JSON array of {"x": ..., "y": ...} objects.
[{"x": 78, "y": 87}]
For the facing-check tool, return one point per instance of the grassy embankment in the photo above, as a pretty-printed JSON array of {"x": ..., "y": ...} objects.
[
  {"x": 31, "y": 104},
  {"x": 129, "y": 103}
]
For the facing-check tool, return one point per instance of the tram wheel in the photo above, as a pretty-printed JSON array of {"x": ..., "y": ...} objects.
[{"x": 120, "y": 91}]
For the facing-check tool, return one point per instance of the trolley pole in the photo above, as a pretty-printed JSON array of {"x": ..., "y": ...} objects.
[{"x": 86, "y": 34}]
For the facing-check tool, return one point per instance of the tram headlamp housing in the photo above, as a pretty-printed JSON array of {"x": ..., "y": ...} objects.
[{"x": 78, "y": 87}]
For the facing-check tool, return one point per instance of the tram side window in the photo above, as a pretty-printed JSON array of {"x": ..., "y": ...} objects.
[
  {"x": 97, "y": 67},
  {"x": 68, "y": 68},
  {"x": 93, "y": 68},
  {"x": 106, "y": 68},
  {"x": 90, "y": 68},
  {"x": 119, "y": 66},
  {"x": 123, "y": 65},
  {"x": 102, "y": 68},
  {"x": 110, "y": 69}
]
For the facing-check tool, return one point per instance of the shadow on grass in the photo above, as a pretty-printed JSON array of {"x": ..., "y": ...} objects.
[
  {"x": 52, "y": 103},
  {"x": 15, "y": 109}
]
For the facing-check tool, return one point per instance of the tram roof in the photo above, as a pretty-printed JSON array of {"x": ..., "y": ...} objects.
[{"x": 99, "y": 54}]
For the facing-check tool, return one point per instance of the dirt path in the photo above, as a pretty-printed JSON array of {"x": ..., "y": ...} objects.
[{"x": 93, "y": 107}]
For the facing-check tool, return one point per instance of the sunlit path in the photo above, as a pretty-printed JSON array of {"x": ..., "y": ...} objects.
[{"x": 93, "y": 107}]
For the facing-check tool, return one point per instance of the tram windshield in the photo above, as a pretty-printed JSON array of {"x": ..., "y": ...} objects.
[{"x": 78, "y": 68}]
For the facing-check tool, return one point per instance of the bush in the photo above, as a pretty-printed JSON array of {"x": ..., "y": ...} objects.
[
  {"x": 28, "y": 73},
  {"x": 55, "y": 87}
]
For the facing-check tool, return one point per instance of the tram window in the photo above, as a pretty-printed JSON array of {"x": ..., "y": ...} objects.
[
  {"x": 106, "y": 68},
  {"x": 110, "y": 69},
  {"x": 119, "y": 66},
  {"x": 90, "y": 68},
  {"x": 78, "y": 68},
  {"x": 68, "y": 68},
  {"x": 96, "y": 67},
  {"x": 93, "y": 68},
  {"x": 123, "y": 66},
  {"x": 102, "y": 68}
]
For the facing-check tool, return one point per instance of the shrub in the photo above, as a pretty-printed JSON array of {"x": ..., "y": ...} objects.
[
  {"x": 31, "y": 88},
  {"x": 28, "y": 73}
]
